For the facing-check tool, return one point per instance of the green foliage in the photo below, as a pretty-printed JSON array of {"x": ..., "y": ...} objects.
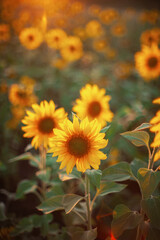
[
  {"x": 25, "y": 187},
  {"x": 136, "y": 164},
  {"x": 52, "y": 204},
  {"x": 123, "y": 219},
  {"x": 118, "y": 172},
  {"x": 35, "y": 221},
  {"x": 85, "y": 235},
  {"x": 110, "y": 187},
  {"x": 151, "y": 207},
  {"x": 138, "y": 138},
  {"x": 73, "y": 175},
  {"x": 94, "y": 177},
  {"x": 148, "y": 180},
  {"x": 70, "y": 201}
]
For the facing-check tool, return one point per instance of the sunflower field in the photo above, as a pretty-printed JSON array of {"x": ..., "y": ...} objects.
[{"x": 79, "y": 121}]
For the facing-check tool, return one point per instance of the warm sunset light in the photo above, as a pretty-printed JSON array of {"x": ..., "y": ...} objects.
[{"x": 79, "y": 120}]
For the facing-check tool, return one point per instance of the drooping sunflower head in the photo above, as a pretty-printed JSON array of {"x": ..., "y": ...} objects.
[
  {"x": 78, "y": 143},
  {"x": 22, "y": 96},
  {"x": 148, "y": 62},
  {"x": 93, "y": 103},
  {"x": 41, "y": 121},
  {"x": 72, "y": 49},
  {"x": 31, "y": 38},
  {"x": 55, "y": 38}
]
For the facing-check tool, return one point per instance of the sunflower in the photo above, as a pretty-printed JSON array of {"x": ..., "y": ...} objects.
[
  {"x": 78, "y": 143},
  {"x": 72, "y": 49},
  {"x": 118, "y": 30},
  {"x": 31, "y": 38},
  {"x": 93, "y": 104},
  {"x": 100, "y": 44},
  {"x": 155, "y": 121},
  {"x": 41, "y": 122},
  {"x": 93, "y": 29},
  {"x": 108, "y": 16},
  {"x": 148, "y": 62},
  {"x": 20, "y": 95},
  {"x": 55, "y": 38},
  {"x": 4, "y": 33},
  {"x": 150, "y": 36}
]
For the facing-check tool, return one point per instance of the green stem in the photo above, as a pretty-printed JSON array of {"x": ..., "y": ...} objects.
[
  {"x": 88, "y": 201},
  {"x": 43, "y": 167}
]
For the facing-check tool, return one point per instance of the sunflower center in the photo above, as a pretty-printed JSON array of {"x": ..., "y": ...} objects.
[
  {"x": 94, "y": 109},
  {"x": 78, "y": 146},
  {"x": 46, "y": 125},
  {"x": 72, "y": 48},
  {"x": 56, "y": 38},
  {"x": 21, "y": 94},
  {"x": 152, "y": 62},
  {"x": 31, "y": 38}
]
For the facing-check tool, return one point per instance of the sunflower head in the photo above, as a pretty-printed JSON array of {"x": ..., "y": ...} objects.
[
  {"x": 93, "y": 103},
  {"x": 78, "y": 143},
  {"x": 148, "y": 62},
  {"x": 72, "y": 49},
  {"x": 31, "y": 38},
  {"x": 55, "y": 38},
  {"x": 22, "y": 96},
  {"x": 39, "y": 123}
]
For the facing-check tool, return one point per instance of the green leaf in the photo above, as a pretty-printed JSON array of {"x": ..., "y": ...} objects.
[
  {"x": 120, "y": 210},
  {"x": 110, "y": 187},
  {"x": 123, "y": 219},
  {"x": 2, "y": 212},
  {"x": 25, "y": 156},
  {"x": 70, "y": 201},
  {"x": 85, "y": 235},
  {"x": 51, "y": 161},
  {"x": 46, "y": 219},
  {"x": 136, "y": 164},
  {"x": 105, "y": 129},
  {"x": 25, "y": 225},
  {"x": 94, "y": 176},
  {"x": 151, "y": 207},
  {"x": 44, "y": 175},
  {"x": 74, "y": 175},
  {"x": 51, "y": 204},
  {"x": 143, "y": 126},
  {"x": 138, "y": 138},
  {"x": 24, "y": 187},
  {"x": 148, "y": 180},
  {"x": 118, "y": 172}
]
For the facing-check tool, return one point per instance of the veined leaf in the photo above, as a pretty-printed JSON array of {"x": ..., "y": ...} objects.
[
  {"x": 118, "y": 172},
  {"x": 136, "y": 164},
  {"x": 148, "y": 180},
  {"x": 51, "y": 204},
  {"x": 138, "y": 138},
  {"x": 123, "y": 219},
  {"x": 94, "y": 176},
  {"x": 110, "y": 187},
  {"x": 143, "y": 126},
  {"x": 70, "y": 201},
  {"x": 24, "y": 187},
  {"x": 151, "y": 207}
]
